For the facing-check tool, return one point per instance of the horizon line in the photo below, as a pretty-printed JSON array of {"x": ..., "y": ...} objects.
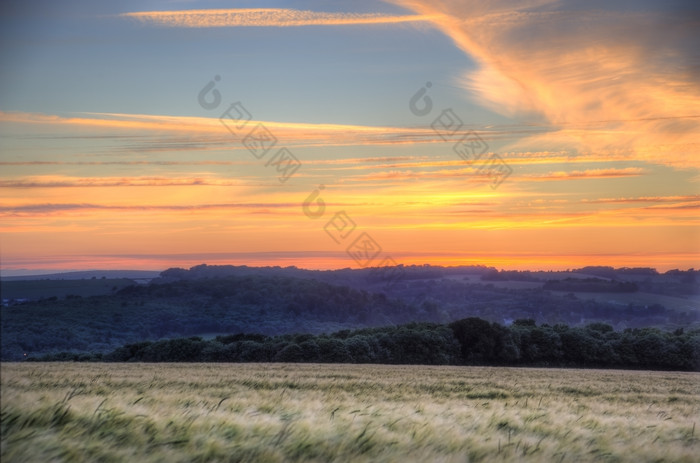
[{"x": 61, "y": 271}]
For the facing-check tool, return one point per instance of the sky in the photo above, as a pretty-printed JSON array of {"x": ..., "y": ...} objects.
[{"x": 543, "y": 135}]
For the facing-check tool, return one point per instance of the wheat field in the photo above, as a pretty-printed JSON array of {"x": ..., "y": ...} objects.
[{"x": 310, "y": 412}]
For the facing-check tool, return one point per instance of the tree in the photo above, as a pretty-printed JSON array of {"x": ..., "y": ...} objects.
[
  {"x": 359, "y": 349},
  {"x": 290, "y": 353},
  {"x": 333, "y": 351},
  {"x": 578, "y": 347},
  {"x": 477, "y": 339}
]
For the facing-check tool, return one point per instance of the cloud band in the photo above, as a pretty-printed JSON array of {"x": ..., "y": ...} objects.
[{"x": 265, "y": 17}]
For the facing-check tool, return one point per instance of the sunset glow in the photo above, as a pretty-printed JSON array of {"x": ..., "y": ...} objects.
[{"x": 126, "y": 136}]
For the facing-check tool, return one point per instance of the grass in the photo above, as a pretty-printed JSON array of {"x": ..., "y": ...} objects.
[{"x": 306, "y": 412}]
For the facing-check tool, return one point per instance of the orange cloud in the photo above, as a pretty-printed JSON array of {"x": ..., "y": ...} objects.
[
  {"x": 264, "y": 17},
  {"x": 52, "y": 208},
  {"x": 123, "y": 163},
  {"x": 647, "y": 199},
  {"x": 57, "y": 181},
  {"x": 173, "y": 133},
  {"x": 608, "y": 79},
  {"x": 588, "y": 174},
  {"x": 286, "y": 132}
]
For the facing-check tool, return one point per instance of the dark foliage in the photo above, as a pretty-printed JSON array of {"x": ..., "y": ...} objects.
[
  {"x": 591, "y": 285},
  {"x": 470, "y": 341},
  {"x": 213, "y": 301}
]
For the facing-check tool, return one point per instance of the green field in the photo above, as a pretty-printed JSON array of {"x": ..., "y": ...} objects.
[{"x": 310, "y": 412}]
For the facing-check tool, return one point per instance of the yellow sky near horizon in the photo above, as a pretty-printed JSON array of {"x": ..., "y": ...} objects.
[
  {"x": 597, "y": 127},
  {"x": 430, "y": 208}
]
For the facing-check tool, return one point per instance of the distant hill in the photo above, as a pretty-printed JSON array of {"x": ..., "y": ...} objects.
[
  {"x": 60, "y": 285},
  {"x": 218, "y": 300},
  {"x": 88, "y": 274}
]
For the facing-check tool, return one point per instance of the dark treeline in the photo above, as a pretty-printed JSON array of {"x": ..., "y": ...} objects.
[
  {"x": 592, "y": 285},
  {"x": 213, "y": 300},
  {"x": 470, "y": 341}
]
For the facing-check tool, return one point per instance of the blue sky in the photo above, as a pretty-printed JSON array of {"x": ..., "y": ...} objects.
[
  {"x": 86, "y": 58},
  {"x": 591, "y": 110}
]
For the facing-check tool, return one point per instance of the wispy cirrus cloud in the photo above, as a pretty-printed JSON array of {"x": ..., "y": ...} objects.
[
  {"x": 264, "y": 17},
  {"x": 588, "y": 174},
  {"x": 59, "y": 181},
  {"x": 354, "y": 163},
  {"x": 610, "y": 77},
  {"x": 122, "y": 163},
  {"x": 290, "y": 132},
  {"x": 170, "y": 133},
  {"x": 676, "y": 207},
  {"x": 645, "y": 199},
  {"x": 474, "y": 175},
  {"x": 47, "y": 208}
]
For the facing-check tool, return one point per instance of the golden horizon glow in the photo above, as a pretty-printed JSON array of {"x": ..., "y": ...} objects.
[{"x": 595, "y": 113}]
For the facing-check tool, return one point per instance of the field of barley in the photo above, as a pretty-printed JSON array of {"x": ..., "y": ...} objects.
[{"x": 308, "y": 412}]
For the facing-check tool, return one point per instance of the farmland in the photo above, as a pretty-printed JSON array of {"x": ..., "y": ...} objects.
[{"x": 311, "y": 412}]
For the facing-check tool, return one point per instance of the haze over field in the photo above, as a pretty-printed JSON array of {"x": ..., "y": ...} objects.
[{"x": 147, "y": 136}]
